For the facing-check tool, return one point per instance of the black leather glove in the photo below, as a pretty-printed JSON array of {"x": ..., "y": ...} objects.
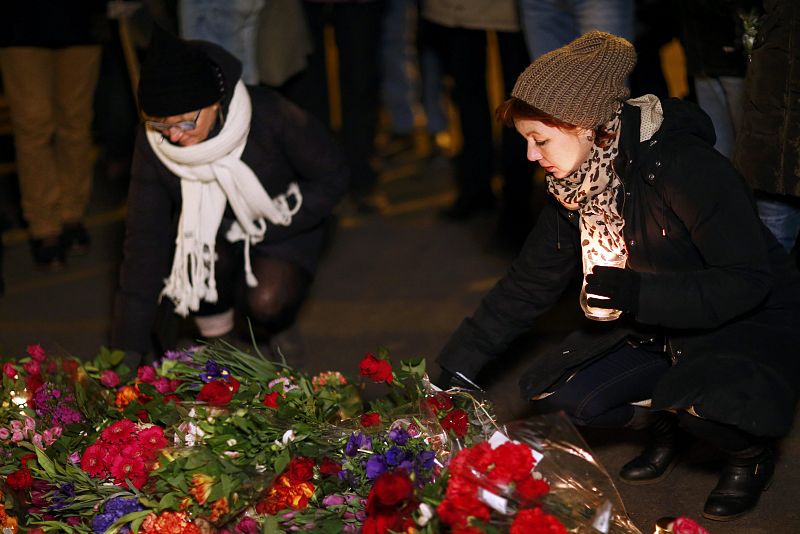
[{"x": 621, "y": 286}]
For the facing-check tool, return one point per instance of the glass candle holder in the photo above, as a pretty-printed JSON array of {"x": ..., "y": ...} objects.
[{"x": 610, "y": 259}]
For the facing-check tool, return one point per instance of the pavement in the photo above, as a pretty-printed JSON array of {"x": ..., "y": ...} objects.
[{"x": 402, "y": 278}]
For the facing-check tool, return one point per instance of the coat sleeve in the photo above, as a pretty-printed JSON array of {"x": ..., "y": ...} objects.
[
  {"x": 709, "y": 197},
  {"x": 146, "y": 253},
  {"x": 323, "y": 174},
  {"x": 533, "y": 284}
]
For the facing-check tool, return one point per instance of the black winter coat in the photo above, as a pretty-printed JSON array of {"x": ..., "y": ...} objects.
[
  {"x": 285, "y": 144},
  {"x": 714, "y": 283}
]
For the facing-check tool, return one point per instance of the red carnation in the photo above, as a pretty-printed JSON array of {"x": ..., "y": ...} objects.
[
  {"x": 329, "y": 467},
  {"x": 370, "y": 419},
  {"x": 391, "y": 489},
  {"x": 512, "y": 462},
  {"x": 120, "y": 432},
  {"x": 531, "y": 489},
  {"x": 456, "y": 421},
  {"x": 216, "y": 393},
  {"x": 20, "y": 479},
  {"x": 376, "y": 369},
  {"x": 271, "y": 399},
  {"x": 233, "y": 384},
  {"x": 300, "y": 469},
  {"x": 534, "y": 520}
]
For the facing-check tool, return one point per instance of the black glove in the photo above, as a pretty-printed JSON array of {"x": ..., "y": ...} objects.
[{"x": 621, "y": 286}]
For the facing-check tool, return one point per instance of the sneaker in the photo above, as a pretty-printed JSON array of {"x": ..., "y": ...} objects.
[
  {"x": 75, "y": 239},
  {"x": 48, "y": 253}
]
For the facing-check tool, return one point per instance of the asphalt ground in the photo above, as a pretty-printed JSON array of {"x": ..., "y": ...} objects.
[{"x": 402, "y": 278}]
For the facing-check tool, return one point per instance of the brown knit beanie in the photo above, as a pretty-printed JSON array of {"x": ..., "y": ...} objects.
[{"x": 581, "y": 83}]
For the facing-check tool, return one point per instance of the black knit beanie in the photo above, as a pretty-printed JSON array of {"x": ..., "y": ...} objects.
[{"x": 177, "y": 77}]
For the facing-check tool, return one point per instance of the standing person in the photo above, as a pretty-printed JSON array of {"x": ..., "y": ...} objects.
[
  {"x": 357, "y": 27},
  {"x": 231, "y": 186},
  {"x": 458, "y": 31},
  {"x": 768, "y": 149},
  {"x": 50, "y": 60},
  {"x": 550, "y": 24},
  {"x": 711, "y": 303}
]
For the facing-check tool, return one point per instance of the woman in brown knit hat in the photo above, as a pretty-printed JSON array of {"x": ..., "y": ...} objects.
[{"x": 693, "y": 307}]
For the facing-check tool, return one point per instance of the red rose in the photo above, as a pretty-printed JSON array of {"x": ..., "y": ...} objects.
[
  {"x": 27, "y": 458},
  {"x": 329, "y": 467},
  {"x": 456, "y": 421},
  {"x": 375, "y": 369},
  {"x": 146, "y": 374},
  {"x": 216, "y": 393},
  {"x": 9, "y": 370},
  {"x": 300, "y": 469},
  {"x": 271, "y": 399},
  {"x": 370, "y": 419},
  {"x": 684, "y": 525},
  {"x": 440, "y": 402},
  {"x": 382, "y": 523},
  {"x": 36, "y": 352},
  {"x": 20, "y": 479}
]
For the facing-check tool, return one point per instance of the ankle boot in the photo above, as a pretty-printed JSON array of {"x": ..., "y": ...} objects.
[
  {"x": 747, "y": 474},
  {"x": 656, "y": 461}
]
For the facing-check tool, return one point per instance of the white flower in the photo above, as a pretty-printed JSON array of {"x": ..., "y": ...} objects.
[
  {"x": 288, "y": 436},
  {"x": 425, "y": 514},
  {"x": 231, "y": 442}
]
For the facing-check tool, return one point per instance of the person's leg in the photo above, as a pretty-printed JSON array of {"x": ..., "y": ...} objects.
[
  {"x": 431, "y": 86},
  {"x": 612, "y": 16},
  {"x": 76, "y": 72},
  {"x": 712, "y": 98},
  {"x": 748, "y": 470},
  {"x": 548, "y": 24},
  {"x": 232, "y": 25},
  {"x": 216, "y": 320},
  {"x": 29, "y": 89},
  {"x": 282, "y": 287},
  {"x": 397, "y": 73},
  {"x": 781, "y": 214},
  {"x": 358, "y": 32},
  {"x": 600, "y": 394},
  {"x": 467, "y": 64}
]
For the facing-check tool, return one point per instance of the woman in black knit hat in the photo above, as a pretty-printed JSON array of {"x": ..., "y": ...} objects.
[
  {"x": 231, "y": 186},
  {"x": 693, "y": 308}
]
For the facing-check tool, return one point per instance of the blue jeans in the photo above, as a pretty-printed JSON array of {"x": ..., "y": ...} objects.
[
  {"x": 232, "y": 24},
  {"x": 782, "y": 217},
  {"x": 723, "y": 99},
  {"x": 550, "y": 24}
]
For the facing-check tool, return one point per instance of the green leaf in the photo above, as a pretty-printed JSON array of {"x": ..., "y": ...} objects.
[
  {"x": 45, "y": 463},
  {"x": 281, "y": 461},
  {"x": 270, "y": 525},
  {"x": 127, "y": 518}
]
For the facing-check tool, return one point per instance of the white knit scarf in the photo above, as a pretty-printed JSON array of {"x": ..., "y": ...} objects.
[
  {"x": 212, "y": 174},
  {"x": 593, "y": 191}
]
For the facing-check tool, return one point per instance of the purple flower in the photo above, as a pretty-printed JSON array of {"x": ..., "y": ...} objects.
[
  {"x": 101, "y": 522},
  {"x": 122, "y": 505},
  {"x": 179, "y": 355},
  {"x": 399, "y": 436},
  {"x": 425, "y": 459},
  {"x": 357, "y": 441},
  {"x": 376, "y": 466},
  {"x": 395, "y": 455}
]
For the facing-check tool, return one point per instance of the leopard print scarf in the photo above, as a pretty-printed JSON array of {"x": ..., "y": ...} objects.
[{"x": 592, "y": 191}]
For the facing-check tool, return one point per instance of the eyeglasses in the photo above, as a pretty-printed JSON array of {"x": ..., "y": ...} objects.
[{"x": 164, "y": 127}]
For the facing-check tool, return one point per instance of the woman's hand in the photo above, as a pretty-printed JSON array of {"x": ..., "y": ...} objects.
[{"x": 619, "y": 286}]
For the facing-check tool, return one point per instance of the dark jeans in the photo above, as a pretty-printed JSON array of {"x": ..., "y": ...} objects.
[
  {"x": 357, "y": 29},
  {"x": 599, "y": 395}
]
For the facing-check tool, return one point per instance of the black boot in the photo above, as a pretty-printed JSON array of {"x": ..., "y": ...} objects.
[
  {"x": 657, "y": 459},
  {"x": 748, "y": 473}
]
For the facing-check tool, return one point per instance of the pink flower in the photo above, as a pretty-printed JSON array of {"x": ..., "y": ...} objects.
[
  {"x": 146, "y": 374},
  {"x": 74, "y": 458},
  {"x": 36, "y": 352},
  {"x": 30, "y": 424},
  {"x": 16, "y": 437},
  {"x": 163, "y": 385},
  {"x": 9, "y": 370},
  {"x": 684, "y": 525},
  {"x": 109, "y": 378},
  {"x": 16, "y": 425},
  {"x": 32, "y": 367},
  {"x": 4, "y": 433},
  {"x": 37, "y": 440}
]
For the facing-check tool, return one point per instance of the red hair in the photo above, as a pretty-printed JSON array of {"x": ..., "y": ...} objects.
[{"x": 514, "y": 109}]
